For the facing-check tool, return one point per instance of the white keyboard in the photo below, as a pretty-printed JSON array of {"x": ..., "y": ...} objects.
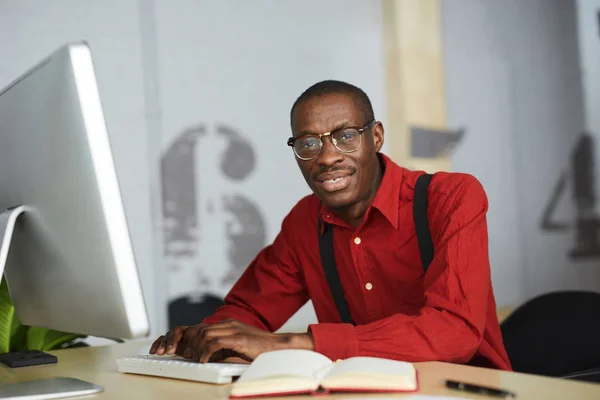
[{"x": 180, "y": 368}]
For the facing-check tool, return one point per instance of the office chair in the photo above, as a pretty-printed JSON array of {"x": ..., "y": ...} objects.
[{"x": 556, "y": 334}]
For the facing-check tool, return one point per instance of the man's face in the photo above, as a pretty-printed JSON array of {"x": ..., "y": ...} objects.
[{"x": 338, "y": 179}]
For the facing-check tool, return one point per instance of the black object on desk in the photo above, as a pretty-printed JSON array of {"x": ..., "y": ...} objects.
[
  {"x": 471, "y": 388},
  {"x": 27, "y": 358}
]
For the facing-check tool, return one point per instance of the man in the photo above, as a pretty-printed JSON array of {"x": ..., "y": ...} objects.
[{"x": 399, "y": 311}]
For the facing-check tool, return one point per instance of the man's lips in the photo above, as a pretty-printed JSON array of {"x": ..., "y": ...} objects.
[
  {"x": 327, "y": 176},
  {"x": 333, "y": 181}
]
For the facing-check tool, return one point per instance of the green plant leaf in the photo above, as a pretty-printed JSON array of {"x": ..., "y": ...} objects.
[
  {"x": 15, "y": 336},
  {"x": 35, "y": 338},
  {"x": 55, "y": 340},
  {"x": 47, "y": 339},
  {"x": 7, "y": 312},
  {"x": 18, "y": 335}
]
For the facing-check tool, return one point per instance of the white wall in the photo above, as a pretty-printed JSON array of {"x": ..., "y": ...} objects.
[
  {"x": 513, "y": 80},
  {"x": 30, "y": 30},
  {"x": 588, "y": 30}
]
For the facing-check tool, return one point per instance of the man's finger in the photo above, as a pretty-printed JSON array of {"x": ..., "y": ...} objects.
[
  {"x": 209, "y": 348},
  {"x": 155, "y": 345},
  {"x": 218, "y": 344},
  {"x": 207, "y": 334},
  {"x": 188, "y": 353},
  {"x": 186, "y": 348},
  {"x": 162, "y": 345},
  {"x": 173, "y": 339},
  {"x": 188, "y": 338}
]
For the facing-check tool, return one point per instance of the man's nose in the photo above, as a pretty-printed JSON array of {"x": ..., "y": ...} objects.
[{"x": 329, "y": 155}]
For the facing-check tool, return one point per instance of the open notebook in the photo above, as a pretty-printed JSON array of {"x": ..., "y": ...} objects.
[{"x": 286, "y": 372}]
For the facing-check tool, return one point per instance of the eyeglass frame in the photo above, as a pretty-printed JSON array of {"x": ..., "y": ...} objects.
[{"x": 360, "y": 129}]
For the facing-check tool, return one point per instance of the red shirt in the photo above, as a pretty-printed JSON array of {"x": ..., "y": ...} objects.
[{"x": 447, "y": 314}]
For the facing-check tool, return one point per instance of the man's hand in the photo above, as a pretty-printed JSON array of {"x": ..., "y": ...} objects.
[
  {"x": 168, "y": 343},
  {"x": 225, "y": 340}
]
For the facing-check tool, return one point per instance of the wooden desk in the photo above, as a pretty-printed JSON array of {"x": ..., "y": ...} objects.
[{"x": 98, "y": 365}]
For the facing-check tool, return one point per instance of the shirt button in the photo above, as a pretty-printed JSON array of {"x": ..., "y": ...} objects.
[
  {"x": 357, "y": 240},
  {"x": 369, "y": 286}
]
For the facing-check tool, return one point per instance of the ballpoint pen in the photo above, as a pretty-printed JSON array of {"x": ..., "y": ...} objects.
[{"x": 472, "y": 388}]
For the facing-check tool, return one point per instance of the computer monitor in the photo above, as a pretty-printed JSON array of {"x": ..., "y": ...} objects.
[{"x": 65, "y": 247}]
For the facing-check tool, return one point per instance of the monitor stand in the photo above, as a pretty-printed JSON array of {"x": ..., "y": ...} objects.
[
  {"x": 51, "y": 388},
  {"x": 8, "y": 220}
]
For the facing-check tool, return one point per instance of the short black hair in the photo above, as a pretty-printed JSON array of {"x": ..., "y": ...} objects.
[{"x": 360, "y": 98}]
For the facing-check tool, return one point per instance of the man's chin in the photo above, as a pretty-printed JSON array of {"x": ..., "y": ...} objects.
[{"x": 337, "y": 201}]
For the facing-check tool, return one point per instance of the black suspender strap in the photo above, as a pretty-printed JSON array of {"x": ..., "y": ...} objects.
[
  {"x": 327, "y": 251},
  {"x": 331, "y": 272},
  {"x": 421, "y": 221}
]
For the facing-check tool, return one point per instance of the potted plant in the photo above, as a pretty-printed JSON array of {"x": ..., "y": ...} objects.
[{"x": 15, "y": 337}]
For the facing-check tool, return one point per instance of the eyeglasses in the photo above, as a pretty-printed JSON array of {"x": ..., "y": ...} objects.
[{"x": 346, "y": 140}]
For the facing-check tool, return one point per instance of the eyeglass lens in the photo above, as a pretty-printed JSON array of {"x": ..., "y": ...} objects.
[{"x": 345, "y": 140}]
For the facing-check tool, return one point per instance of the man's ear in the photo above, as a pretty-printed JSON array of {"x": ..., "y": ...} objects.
[{"x": 377, "y": 133}]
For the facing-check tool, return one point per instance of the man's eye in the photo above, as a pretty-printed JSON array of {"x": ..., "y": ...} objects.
[
  {"x": 347, "y": 135},
  {"x": 309, "y": 143}
]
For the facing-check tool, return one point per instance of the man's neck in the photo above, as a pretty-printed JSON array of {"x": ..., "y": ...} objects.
[{"x": 354, "y": 214}]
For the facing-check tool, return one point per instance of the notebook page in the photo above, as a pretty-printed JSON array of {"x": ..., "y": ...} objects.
[
  {"x": 371, "y": 365},
  {"x": 299, "y": 363}
]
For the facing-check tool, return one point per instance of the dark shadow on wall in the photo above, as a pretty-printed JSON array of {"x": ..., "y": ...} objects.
[
  {"x": 186, "y": 311},
  {"x": 580, "y": 178},
  {"x": 244, "y": 222}
]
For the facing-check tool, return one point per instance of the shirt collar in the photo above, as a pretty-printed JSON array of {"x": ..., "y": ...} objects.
[{"x": 387, "y": 198}]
